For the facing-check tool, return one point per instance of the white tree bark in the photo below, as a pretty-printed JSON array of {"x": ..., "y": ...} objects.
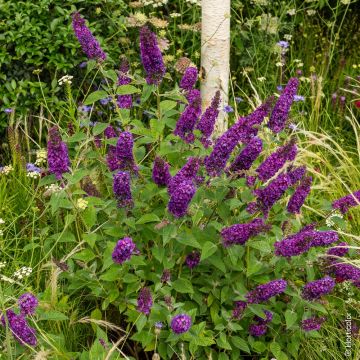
[{"x": 215, "y": 54}]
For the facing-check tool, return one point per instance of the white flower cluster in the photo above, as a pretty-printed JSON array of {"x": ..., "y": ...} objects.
[
  {"x": 1, "y": 231},
  {"x": 291, "y": 12},
  {"x": 260, "y": 2},
  {"x": 6, "y": 169},
  {"x": 155, "y": 3},
  {"x": 81, "y": 204},
  {"x": 66, "y": 79},
  {"x": 51, "y": 189},
  {"x": 329, "y": 221},
  {"x": 2, "y": 264},
  {"x": 41, "y": 157},
  {"x": 194, "y": 2},
  {"x": 33, "y": 174},
  {"x": 22, "y": 273}
]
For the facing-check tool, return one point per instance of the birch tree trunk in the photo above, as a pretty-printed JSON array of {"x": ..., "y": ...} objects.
[{"x": 215, "y": 55}]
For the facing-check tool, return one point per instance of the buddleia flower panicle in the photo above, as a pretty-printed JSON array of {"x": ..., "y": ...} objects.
[
  {"x": 180, "y": 323},
  {"x": 88, "y": 42},
  {"x": 144, "y": 302},
  {"x": 263, "y": 293},
  {"x": 20, "y": 328},
  {"x": 258, "y": 116},
  {"x": 124, "y": 152},
  {"x": 347, "y": 202},
  {"x": 296, "y": 174},
  {"x": 240, "y": 233},
  {"x": 316, "y": 289},
  {"x": 189, "y": 79},
  {"x": 277, "y": 160},
  {"x": 111, "y": 156},
  {"x": 239, "y": 308},
  {"x": 247, "y": 156},
  {"x": 282, "y": 107},
  {"x": 257, "y": 330},
  {"x": 57, "y": 154},
  {"x": 28, "y": 303},
  {"x": 123, "y": 250},
  {"x": 188, "y": 119},
  {"x": 151, "y": 57},
  {"x": 192, "y": 260},
  {"x": 339, "y": 250},
  {"x": 298, "y": 198},
  {"x": 181, "y": 198},
  {"x": 166, "y": 276},
  {"x": 161, "y": 173},
  {"x": 122, "y": 189},
  {"x": 343, "y": 272},
  {"x": 313, "y": 323},
  {"x": 207, "y": 121},
  {"x": 187, "y": 172},
  {"x": 268, "y": 317},
  {"x": 124, "y": 101}
]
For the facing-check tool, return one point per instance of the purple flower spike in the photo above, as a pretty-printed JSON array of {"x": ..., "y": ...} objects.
[
  {"x": 181, "y": 198},
  {"x": 266, "y": 291},
  {"x": 316, "y": 289},
  {"x": 239, "y": 309},
  {"x": 258, "y": 116},
  {"x": 277, "y": 160},
  {"x": 296, "y": 174},
  {"x": 343, "y": 272},
  {"x": 161, "y": 174},
  {"x": 123, "y": 250},
  {"x": 88, "y": 42},
  {"x": 324, "y": 238},
  {"x": 192, "y": 260},
  {"x": 122, "y": 189},
  {"x": 240, "y": 233},
  {"x": 151, "y": 57},
  {"x": 207, "y": 122},
  {"x": 268, "y": 317},
  {"x": 124, "y": 101},
  {"x": 346, "y": 202},
  {"x": 187, "y": 120},
  {"x": 312, "y": 324},
  {"x": 257, "y": 330},
  {"x": 298, "y": 198},
  {"x": 247, "y": 156},
  {"x": 144, "y": 302},
  {"x": 57, "y": 155},
  {"x": 124, "y": 152},
  {"x": 339, "y": 250},
  {"x": 180, "y": 323},
  {"x": 20, "y": 328},
  {"x": 27, "y": 303},
  {"x": 189, "y": 79},
  {"x": 282, "y": 107}
]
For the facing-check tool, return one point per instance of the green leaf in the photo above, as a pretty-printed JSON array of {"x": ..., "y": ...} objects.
[
  {"x": 183, "y": 286},
  {"x": 84, "y": 255},
  {"x": 53, "y": 315},
  {"x": 99, "y": 128},
  {"x": 89, "y": 216},
  {"x": 258, "y": 346},
  {"x": 77, "y": 137},
  {"x": 148, "y": 218},
  {"x": 203, "y": 341},
  {"x": 290, "y": 318},
  {"x": 167, "y": 105},
  {"x": 240, "y": 343},
  {"x": 207, "y": 250},
  {"x": 276, "y": 350},
  {"x": 95, "y": 96},
  {"x": 222, "y": 342},
  {"x": 112, "y": 274},
  {"x": 127, "y": 90}
]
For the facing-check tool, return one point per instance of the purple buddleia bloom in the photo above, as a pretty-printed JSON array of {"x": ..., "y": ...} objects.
[
  {"x": 239, "y": 309},
  {"x": 193, "y": 95},
  {"x": 312, "y": 323},
  {"x": 296, "y": 174},
  {"x": 298, "y": 198},
  {"x": 277, "y": 160},
  {"x": 282, "y": 107},
  {"x": 189, "y": 79},
  {"x": 20, "y": 328},
  {"x": 268, "y": 317},
  {"x": 124, "y": 101},
  {"x": 257, "y": 330},
  {"x": 180, "y": 323},
  {"x": 192, "y": 259},
  {"x": 324, "y": 238},
  {"x": 57, "y": 154},
  {"x": 225, "y": 144},
  {"x": 247, "y": 156},
  {"x": 266, "y": 291},
  {"x": 151, "y": 56},
  {"x": 339, "y": 250},
  {"x": 207, "y": 121},
  {"x": 343, "y": 272},
  {"x": 110, "y": 132},
  {"x": 250, "y": 180},
  {"x": 294, "y": 245},
  {"x": 316, "y": 289},
  {"x": 187, "y": 120},
  {"x": 89, "y": 187},
  {"x": 346, "y": 202},
  {"x": 268, "y": 196},
  {"x": 123, "y": 250},
  {"x": 124, "y": 152},
  {"x": 161, "y": 174},
  {"x": 88, "y": 42},
  {"x": 258, "y": 116},
  {"x": 181, "y": 198},
  {"x": 166, "y": 276},
  {"x": 187, "y": 172},
  {"x": 111, "y": 157},
  {"x": 122, "y": 190},
  {"x": 28, "y": 303},
  {"x": 144, "y": 302},
  {"x": 240, "y": 233}
]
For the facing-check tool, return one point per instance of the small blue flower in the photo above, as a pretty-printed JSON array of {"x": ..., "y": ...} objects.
[
  {"x": 105, "y": 100},
  {"x": 30, "y": 167},
  {"x": 85, "y": 108},
  {"x": 159, "y": 325},
  {"x": 9, "y": 110},
  {"x": 279, "y": 88},
  {"x": 83, "y": 65},
  {"x": 283, "y": 44},
  {"x": 238, "y": 99},
  {"x": 299, "y": 98},
  {"x": 228, "y": 109}
]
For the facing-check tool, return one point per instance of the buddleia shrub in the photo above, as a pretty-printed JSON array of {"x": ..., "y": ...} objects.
[{"x": 191, "y": 242}]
